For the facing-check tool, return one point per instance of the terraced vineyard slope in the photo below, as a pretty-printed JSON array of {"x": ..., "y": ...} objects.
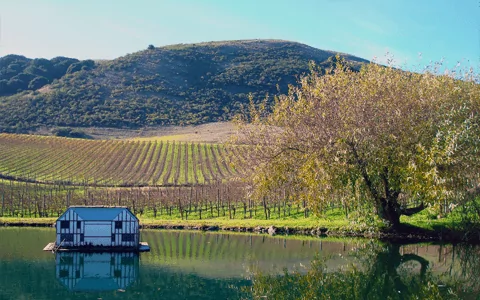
[{"x": 113, "y": 162}]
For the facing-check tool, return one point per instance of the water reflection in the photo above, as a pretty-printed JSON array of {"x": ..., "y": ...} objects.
[
  {"x": 223, "y": 255},
  {"x": 96, "y": 271},
  {"x": 378, "y": 271},
  {"x": 195, "y": 265}
]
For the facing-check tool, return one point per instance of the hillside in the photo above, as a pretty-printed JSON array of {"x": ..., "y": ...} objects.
[
  {"x": 173, "y": 85},
  {"x": 215, "y": 132}
]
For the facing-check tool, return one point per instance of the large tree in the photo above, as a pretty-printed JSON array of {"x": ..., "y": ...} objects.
[{"x": 396, "y": 140}]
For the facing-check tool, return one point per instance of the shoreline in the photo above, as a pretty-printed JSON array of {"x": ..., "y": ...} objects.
[{"x": 407, "y": 234}]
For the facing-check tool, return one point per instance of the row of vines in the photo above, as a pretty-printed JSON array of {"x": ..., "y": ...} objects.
[
  {"x": 114, "y": 162},
  {"x": 228, "y": 200}
]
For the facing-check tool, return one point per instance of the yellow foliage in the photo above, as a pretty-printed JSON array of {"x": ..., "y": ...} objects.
[{"x": 382, "y": 133}]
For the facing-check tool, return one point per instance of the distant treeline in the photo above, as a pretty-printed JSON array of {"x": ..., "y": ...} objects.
[{"x": 18, "y": 73}]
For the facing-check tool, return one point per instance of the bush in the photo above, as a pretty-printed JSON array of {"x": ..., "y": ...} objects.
[{"x": 70, "y": 133}]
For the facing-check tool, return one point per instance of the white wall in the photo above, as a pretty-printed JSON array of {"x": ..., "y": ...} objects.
[{"x": 98, "y": 233}]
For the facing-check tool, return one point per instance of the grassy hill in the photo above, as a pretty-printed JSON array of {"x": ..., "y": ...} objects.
[{"x": 173, "y": 85}]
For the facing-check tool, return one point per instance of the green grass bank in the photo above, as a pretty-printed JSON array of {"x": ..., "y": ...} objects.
[{"x": 414, "y": 229}]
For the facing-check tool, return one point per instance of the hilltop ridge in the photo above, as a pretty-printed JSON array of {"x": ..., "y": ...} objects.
[{"x": 172, "y": 85}]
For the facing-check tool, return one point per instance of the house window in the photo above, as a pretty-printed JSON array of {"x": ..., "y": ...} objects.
[
  {"x": 128, "y": 237},
  {"x": 113, "y": 237},
  {"x": 77, "y": 274},
  {"x": 64, "y": 224},
  {"x": 82, "y": 237},
  {"x": 79, "y": 224},
  {"x": 118, "y": 224},
  {"x": 63, "y": 273},
  {"x": 66, "y": 237}
]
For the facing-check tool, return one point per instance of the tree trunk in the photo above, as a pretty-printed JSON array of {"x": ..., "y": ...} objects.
[{"x": 389, "y": 210}]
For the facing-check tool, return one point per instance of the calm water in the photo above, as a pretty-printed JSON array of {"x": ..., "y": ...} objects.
[{"x": 196, "y": 265}]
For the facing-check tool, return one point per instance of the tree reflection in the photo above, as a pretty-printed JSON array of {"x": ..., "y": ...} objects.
[
  {"x": 465, "y": 279},
  {"x": 377, "y": 272}
]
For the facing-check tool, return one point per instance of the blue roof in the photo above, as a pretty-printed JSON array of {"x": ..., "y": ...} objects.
[{"x": 93, "y": 213}]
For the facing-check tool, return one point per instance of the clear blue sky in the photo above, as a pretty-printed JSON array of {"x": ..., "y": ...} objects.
[{"x": 105, "y": 29}]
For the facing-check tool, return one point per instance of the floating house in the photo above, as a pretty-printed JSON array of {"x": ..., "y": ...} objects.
[
  {"x": 97, "y": 228},
  {"x": 80, "y": 271}
]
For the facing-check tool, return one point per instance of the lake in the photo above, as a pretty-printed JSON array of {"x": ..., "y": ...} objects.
[{"x": 199, "y": 265}]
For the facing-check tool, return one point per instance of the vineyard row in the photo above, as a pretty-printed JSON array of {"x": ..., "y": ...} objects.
[
  {"x": 224, "y": 200},
  {"x": 114, "y": 162}
]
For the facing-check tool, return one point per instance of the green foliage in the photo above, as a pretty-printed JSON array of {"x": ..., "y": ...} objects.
[
  {"x": 70, "y": 133},
  {"x": 18, "y": 73},
  {"x": 85, "y": 65},
  {"x": 37, "y": 83},
  {"x": 178, "y": 85}
]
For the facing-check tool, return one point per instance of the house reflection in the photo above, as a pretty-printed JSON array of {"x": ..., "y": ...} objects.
[{"x": 80, "y": 271}]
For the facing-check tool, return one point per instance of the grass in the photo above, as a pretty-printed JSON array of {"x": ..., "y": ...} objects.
[
  {"x": 250, "y": 223},
  {"x": 334, "y": 220},
  {"x": 429, "y": 221},
  {"x": 296, "y": 224}
]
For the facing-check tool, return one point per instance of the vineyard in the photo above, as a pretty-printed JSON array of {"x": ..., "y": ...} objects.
[
  {"x": 42, "y": 176},
  {"x": 227, "y": 200},
  {"x": 113, "y": 163}
]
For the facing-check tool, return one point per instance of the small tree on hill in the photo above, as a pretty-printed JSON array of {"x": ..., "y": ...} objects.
[{"x": 395, "y": 140}]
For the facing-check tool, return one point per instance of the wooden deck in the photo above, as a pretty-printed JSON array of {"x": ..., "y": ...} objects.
[
  {"x": 49, "y": 247},
  {"x": 142, "y": 247}
]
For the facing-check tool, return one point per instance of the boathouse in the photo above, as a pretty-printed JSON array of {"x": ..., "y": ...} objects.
[{"x": 97, "y": 226}]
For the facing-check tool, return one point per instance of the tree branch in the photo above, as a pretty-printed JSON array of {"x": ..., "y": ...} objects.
[
  {"x": 285, "y": 150},
  {"x": 413, "y": 210},
  {"x": 361, "y": 165},
  {"x": 384, "y": 177},
  {"x": 423, "y": 262}
]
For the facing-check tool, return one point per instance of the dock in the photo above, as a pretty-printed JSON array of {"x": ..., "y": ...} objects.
[{"x": 142, "y": 247}]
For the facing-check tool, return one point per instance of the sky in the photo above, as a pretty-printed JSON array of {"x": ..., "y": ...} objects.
[{"x": 413, "y": 32}]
